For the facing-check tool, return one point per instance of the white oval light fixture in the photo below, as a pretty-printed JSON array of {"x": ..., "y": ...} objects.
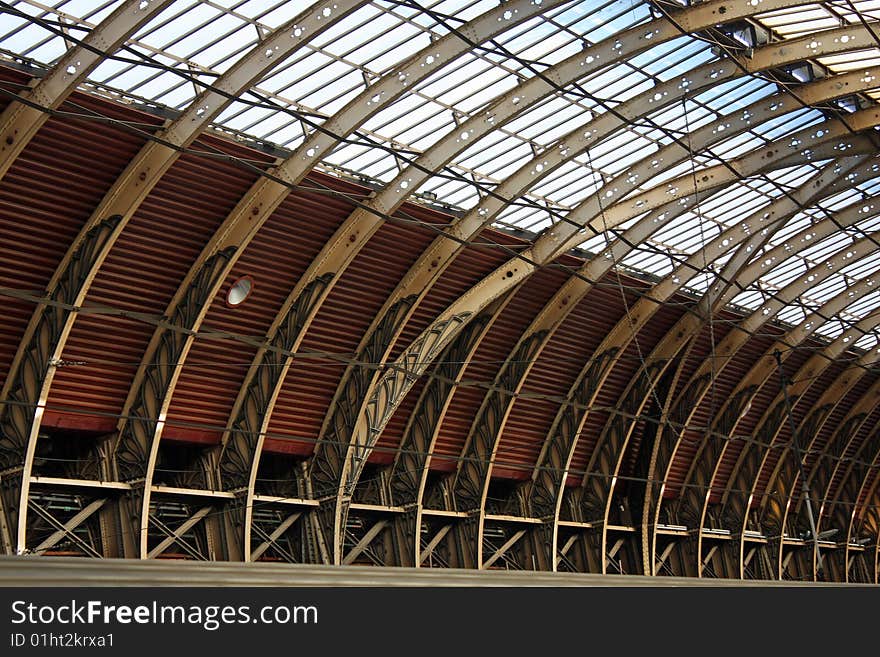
[{"x": 239, "y": 291}]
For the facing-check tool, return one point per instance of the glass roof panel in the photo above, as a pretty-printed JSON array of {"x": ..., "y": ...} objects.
[{"x": 192, "y": 43}]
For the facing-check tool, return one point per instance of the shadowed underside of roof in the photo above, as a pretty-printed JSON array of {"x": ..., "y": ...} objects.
[{"x": 532, "y": 285}]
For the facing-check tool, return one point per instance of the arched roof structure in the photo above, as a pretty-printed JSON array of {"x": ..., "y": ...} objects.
[{"x": 536, "y": 285}]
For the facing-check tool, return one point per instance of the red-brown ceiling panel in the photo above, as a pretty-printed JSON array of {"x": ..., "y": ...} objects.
[
  {"x": 466, "y": 270},
  {"x": 853, "y": 450},
  {"x": 555, "y": 372},
  {"x": 145, "y": 268},
  {"x": 275, "y": 259},
  {"x": 341, "y": 323},
  {"x": 618, "y": 379},
  {"x": 495, "y": 348},
  {"x": 783, "y": 438},
  {"x": 722, "y": 386},
  {"x": 48, "y": 194}
]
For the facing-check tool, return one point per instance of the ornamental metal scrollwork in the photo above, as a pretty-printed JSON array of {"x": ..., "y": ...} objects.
[
  {"x": 552, "y": 467},
  {"x": 820, "y": 477},
  {"x": 693, "y": 497},
  {"x": 850, "y": 489},
  {"x": 414, "y": 447},
  {"x": 239, "y": 451},
  {"x": 608, "y": 451},
  {"x": 353, "y": 389},
  {"x": 476, "y": 460},
  {"x": 387, "y": 394},
  {"x": 137, "y": 433},
  {"x": 18, "y": 413}
]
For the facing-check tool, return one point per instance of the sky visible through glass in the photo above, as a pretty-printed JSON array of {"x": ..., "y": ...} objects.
[{"x": 192, "y": 43}]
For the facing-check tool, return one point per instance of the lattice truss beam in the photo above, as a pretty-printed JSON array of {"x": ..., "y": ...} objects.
[{"x": 797, "y": 152}]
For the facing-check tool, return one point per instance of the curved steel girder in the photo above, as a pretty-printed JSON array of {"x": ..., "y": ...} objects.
[
  {"x": 442, "y": 251},
  {"x": 469, "y": 491},
  {"x": 22, "y": 119},
  {"x": 736, "y": 500},
  {"x": 751, "y": 234},
  {"x": 357, "y": 229},
  {"x": 217, "y": 259},
  {"x": 732, "y": 411},
  {"x": 696, "y": 388},
  {"x": 375, "y": 346},
  {"x": 773, "y": 510},
  {"x": 489, "y": 421},
  {"x": 612, "y": 442},
  {"x": 407, "y": 475},
  {"x": 398, "y": 379},
  {"x": 47, "y": 332},
  {"x": 829, "y": 466},
  {"x": 862, "y": 521},
  {"x": 265, "y": 196},
  {"x": 856, "y": 477},
  {"x": 741, "y": 333}
]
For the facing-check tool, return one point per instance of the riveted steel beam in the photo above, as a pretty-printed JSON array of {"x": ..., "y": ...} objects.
[
  {"x": 863, "y": 523},
  {"x": 518, "y": 270},
  {"x": 44, "y": 513},
  {"x": 733, "y": 509},
  {"x": 693, "y": 504},
  {"x": 488, "y": 425},
  {"x": 44, "y": 340},
  {"x": 679, "y": 414},
  {"x": 398, "y": 379},
  {"x": 270, "y": 539},
  {"x": 389, "y": 321},
  {"x": 842, "y": 511},
  {"x": 699, "y": 479},
  {"x": 549, "y": 474},
  {"x": 407, "y": 476},
  {"x": 266, "y": 195},
  {"x": 375, "y": 345},
  {"x": 23, "y": 118},
  {"x": 831, "y": 466},
  {"x": 772, "y": 512},
  {"x": 364, "y": 223}
]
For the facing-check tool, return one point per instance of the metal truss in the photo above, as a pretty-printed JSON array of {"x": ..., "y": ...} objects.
[{"x": 446, "y": 522}]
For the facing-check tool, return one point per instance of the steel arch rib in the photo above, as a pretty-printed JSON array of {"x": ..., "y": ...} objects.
[
  {"x": 730, "y": 413},
  {"x": 512, "y": 377},
  {"x": 407, "y": 475},
  {"x": 47, "y": 332},
  {"x": 411, "y": 364},
  {"x": 265, "y": 196},
  {"x": 357, "y": 229},
  {"x": 612, "y": 442},
  {"x": 859, "y": 486},
  {"x": 689, "y": 508},
  {"x": 383, "y": 333},
  {"x": 735, "y": 502},
  {"x": 819, "y": 475},
  {"x": 258, "y": 204},
  {"x": 771, "y": 513},
  {"x": 23, "y": 118},
  {"x": 697, "y": 386},
  {"x": 384, "y": 330},
  {"x": 832, "y": 462}
]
